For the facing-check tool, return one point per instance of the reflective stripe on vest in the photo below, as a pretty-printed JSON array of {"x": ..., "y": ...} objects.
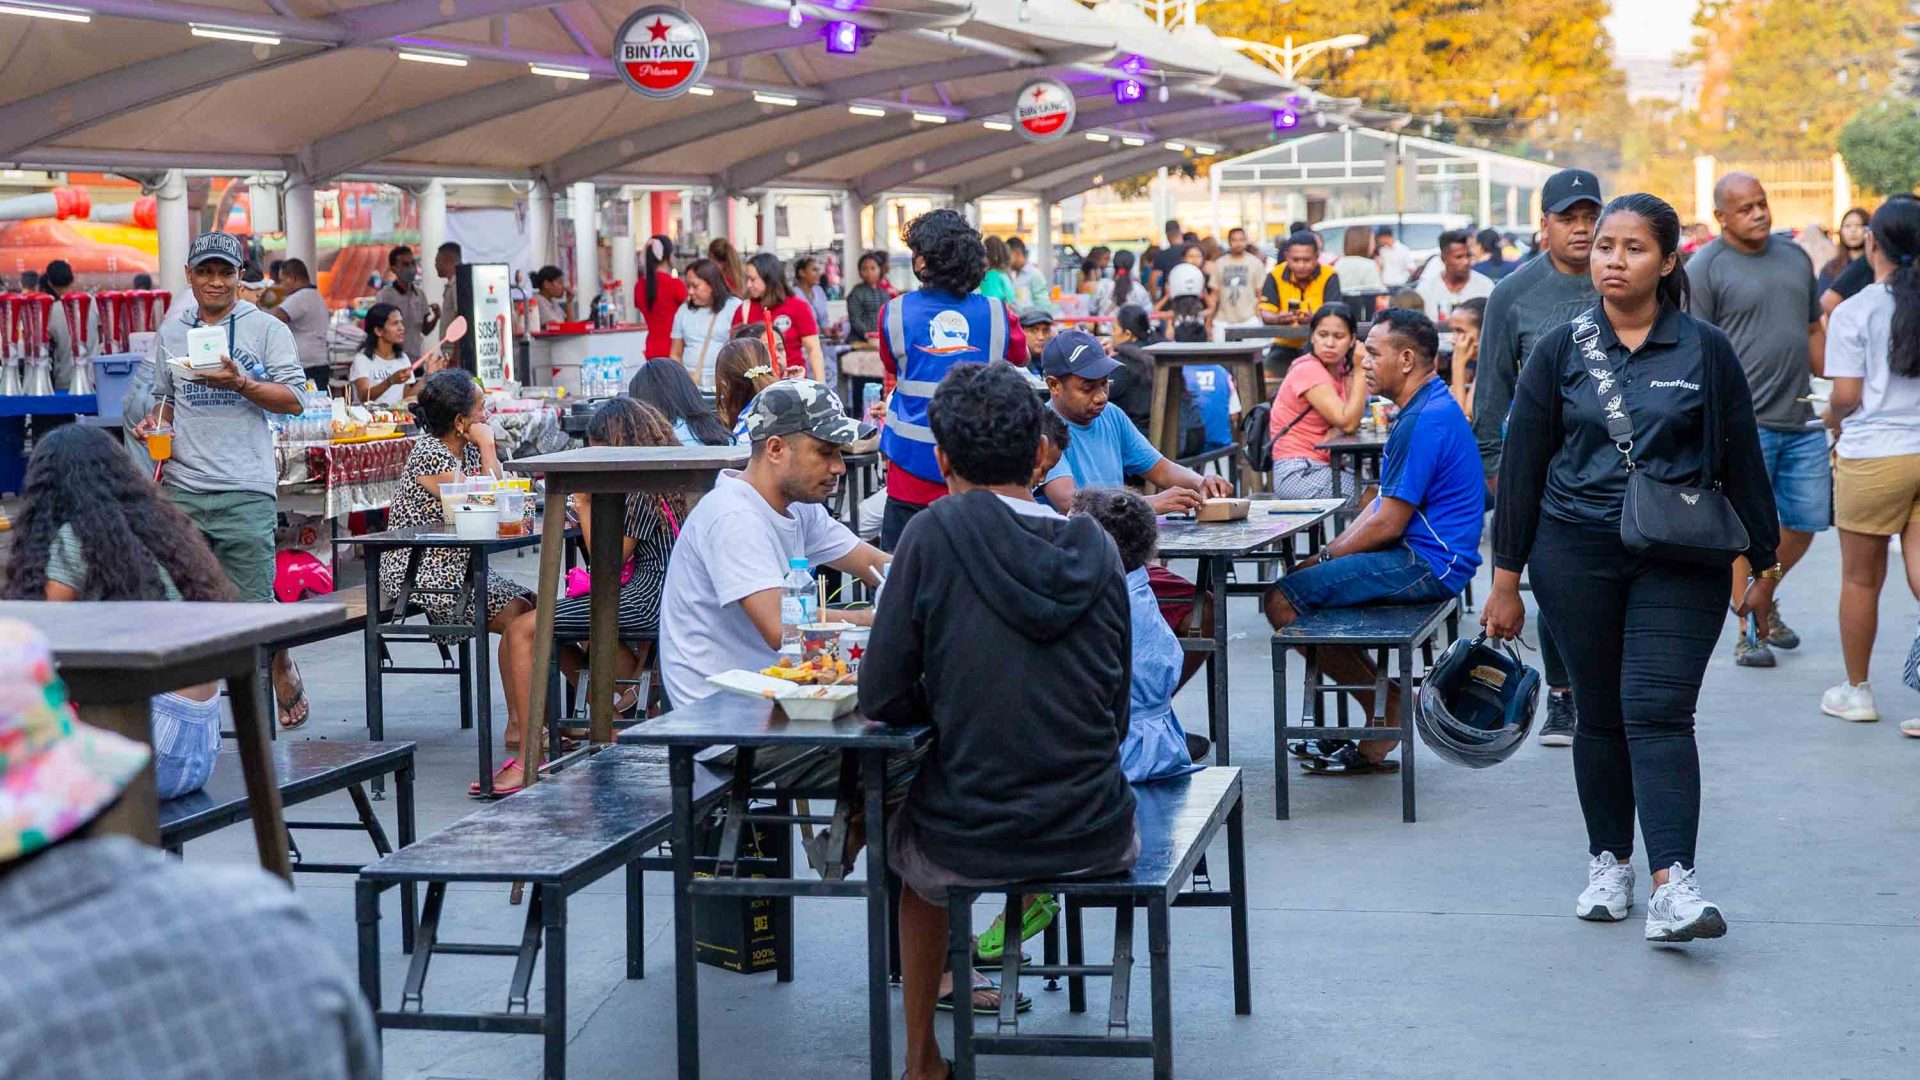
[{"x": 928, "y": 333}]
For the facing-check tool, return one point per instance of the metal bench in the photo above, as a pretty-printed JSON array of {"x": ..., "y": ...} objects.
[
  {"x": 1390, "y": 628},
  {"x": 603, "y": 813},
  {"x": 305, "y": 770},
  {"x": 1177, "y": 820}
]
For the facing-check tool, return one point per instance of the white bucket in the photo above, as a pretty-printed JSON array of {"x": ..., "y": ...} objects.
[{"x": 476, "y": 522}]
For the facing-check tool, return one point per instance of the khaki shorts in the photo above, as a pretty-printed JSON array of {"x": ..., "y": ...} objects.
[{"x": 1876, "y": 496}]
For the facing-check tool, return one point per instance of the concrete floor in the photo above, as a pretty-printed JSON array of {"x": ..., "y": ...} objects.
[{"x": 1441, "y": 949}]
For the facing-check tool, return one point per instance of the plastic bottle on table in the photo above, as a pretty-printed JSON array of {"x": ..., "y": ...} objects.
[{"x": 797, "y": 603}]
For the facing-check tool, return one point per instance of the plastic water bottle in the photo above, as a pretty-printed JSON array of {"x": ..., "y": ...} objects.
[{"x": 797, "y": 603}]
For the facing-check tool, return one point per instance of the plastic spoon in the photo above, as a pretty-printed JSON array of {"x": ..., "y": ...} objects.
[{"x": 454, "y": 331}]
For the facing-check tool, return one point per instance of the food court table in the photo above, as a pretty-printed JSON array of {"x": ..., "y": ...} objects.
[
  {"x": 727, "y": 719},
  {"x": 115, "y": 655},
  {"x": 608, "y": 474},
  {"x": 1240, "y": 358},
  {"x": 1362, "y": 446},
  {"x": 1216, "y": 545},
  {"x": 474, "y": 670}
]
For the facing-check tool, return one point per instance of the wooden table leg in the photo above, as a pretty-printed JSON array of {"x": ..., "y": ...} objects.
[
  {"x": 250, "y": 722},
  {"x": 1164, "y": 425},
  {"x": 137, "y": 812},
  {"x": 603, "y": 564},
  {"x": 552, "y": 549}
]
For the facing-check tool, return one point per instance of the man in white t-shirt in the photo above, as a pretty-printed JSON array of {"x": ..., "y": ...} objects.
[
  {"x": 1396, "y": 262},
  {"x": 720, "y": 608},
  {"x": 1454, "y": 281}
]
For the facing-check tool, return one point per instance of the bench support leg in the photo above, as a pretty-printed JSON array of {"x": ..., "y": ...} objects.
[
  {"x": 1076, "y": 956},
  {"x": 781, "y": 836},
  {"x": 1159, "y": 963},
  {"x": 366, "y": 913},
  {"x": 252, "y": 718},
  {"x": 411, "y": 993},
  {"x": 521, "y": 987},
  {"x": 873, "y": 766},
  {"x": 371, "y": 652},
  {"x": 1280, "y": 762},
  {"x": 1405, "y": 719},
  {"x": 1009, "y": 1020},
  {"x": 553, "y": 907},
  {"x": 636, "y": 908},
  {"x": 960, "y": 962},
  {"x": 403, "y": 813},
  {"x": 686, "y": 984},
  {"x": 1120, "y": 988},
  {"x": 1237, "y": 908},
  {"x": 1050, "y": 952}
]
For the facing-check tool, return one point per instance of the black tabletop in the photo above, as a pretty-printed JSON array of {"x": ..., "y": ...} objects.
[
  {"x": 1360, "y": 442},
  {"x": 442, "y": 536},
  {"x": 123, "y": 650},
  {"x": 726, "y": 718},
  {"x": 1182, "y": 539},
  {"x": 624, "y": 459}
]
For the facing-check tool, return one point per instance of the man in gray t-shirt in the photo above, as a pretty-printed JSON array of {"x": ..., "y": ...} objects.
[
  {"x": 1760, "y": 289},
  {"x": 307, "y": 315}
]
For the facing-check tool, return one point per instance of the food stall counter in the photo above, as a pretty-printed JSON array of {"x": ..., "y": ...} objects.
[{"x": 576, "y": 359}]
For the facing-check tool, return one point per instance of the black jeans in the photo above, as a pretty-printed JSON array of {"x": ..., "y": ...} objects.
[
  {"x": 1552, "y": 667},
  {"x": 1636, "y": 634},
  {"x": 894, "y": 522}
]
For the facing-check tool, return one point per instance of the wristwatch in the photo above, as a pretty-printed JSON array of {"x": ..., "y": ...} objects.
[{"x": 1773, "y": 573}]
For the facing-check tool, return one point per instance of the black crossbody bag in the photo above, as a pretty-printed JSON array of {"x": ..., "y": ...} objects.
[{"x": 1667, "y": 521}]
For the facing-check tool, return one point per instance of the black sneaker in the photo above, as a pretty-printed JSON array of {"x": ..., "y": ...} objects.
[
  {"x": 1558, "y": 729},
  {"x": 1198, "y": 746},
  {"x": 1308, "y": 749}
]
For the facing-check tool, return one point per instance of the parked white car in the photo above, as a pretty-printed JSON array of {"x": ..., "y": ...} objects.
[{"x": 1419, "y": 233}]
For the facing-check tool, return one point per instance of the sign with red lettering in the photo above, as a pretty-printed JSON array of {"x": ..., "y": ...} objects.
[
  {"x": 661, "y": 51},
  {"x": 1043, "y": 111}
]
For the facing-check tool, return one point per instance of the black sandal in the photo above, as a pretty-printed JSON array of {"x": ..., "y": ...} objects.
[
  {"x": 1317, "y": 748},
  {"x": 1348, "y": 761},
  {"x": 1021, "y": 1003}
]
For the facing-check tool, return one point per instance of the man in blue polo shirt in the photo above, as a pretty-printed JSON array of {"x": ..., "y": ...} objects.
[{"x": 1418, "y": 541}]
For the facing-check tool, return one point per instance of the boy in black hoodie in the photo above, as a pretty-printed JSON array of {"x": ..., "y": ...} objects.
[{"x": 990, "y": 587}]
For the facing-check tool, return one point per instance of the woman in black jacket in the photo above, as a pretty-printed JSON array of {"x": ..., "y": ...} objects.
[{"x": 1639, "y": 628}]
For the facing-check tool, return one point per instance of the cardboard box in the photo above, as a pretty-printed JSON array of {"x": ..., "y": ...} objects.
[
  {"x": 740, "y": 933},
  {"x": 1214, "y": 510}
]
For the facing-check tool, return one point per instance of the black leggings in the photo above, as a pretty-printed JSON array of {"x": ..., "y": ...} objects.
[{"x": 1636, "y": 634}]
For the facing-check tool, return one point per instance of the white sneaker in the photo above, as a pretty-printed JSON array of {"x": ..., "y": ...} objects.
[
  {"x": 1609, "y": 893},
  {"x": 1678, "y": 912},
  {"x": 1850, "y": 702}
]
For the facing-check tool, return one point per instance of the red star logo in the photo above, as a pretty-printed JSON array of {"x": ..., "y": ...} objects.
[
  {"x": 855, "y": 652},
  {"x": 658, "y": 29},
  {"x": 1039, "y": 92}
]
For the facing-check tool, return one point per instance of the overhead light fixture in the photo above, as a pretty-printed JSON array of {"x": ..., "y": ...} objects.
[
  {"x": 232, "y": 33},
  {"x": 49, "y": 11},
  {"x": 843, "y": 37},
  {"x": 1176, "y": 147},
  {"x": 559, "y": 72},
  {"x": 1164, "y": 93},
  {"x": 765, "y": 98},
  {"x": 700, "y": 91},
  {"x": 443, "y": 59},
  {"x": 793, "y": 14},
  {"x": 1128, "y": 91},
  {"x": 1131, "y": 140},
  {"x": 996, "y": 125},
  {"x": 1285, "y": 120},
  {"x": 1099, "y": 136},
  {"x": 866, "y": 110},
  {"x": 1205, "y": 151},
  {"x": 930, "y": 118}
]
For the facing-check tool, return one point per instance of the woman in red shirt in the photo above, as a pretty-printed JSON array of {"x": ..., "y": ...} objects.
[
  {"x": 1324, "y": 390},
  {"x": 658, "y": 295},
  {"x": 771, "y": 301}
]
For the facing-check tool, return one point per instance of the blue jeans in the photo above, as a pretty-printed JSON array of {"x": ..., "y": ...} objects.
[
  {"x": 1395, "y": 575},
  {"x": 1799, "y": 468}
]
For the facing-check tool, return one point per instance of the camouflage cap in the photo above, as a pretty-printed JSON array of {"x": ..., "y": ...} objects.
[{"x": 802, "y": 405}]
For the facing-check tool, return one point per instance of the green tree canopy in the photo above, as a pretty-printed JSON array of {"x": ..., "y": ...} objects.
[
  {"x": 1881, "y": 145},
  {"x": 1799, "y": 70}
]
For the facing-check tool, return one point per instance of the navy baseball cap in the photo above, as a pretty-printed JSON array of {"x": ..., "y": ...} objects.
[
  {"x": 1567, "y": 189},
  {"x": 1076, "y": 352}
]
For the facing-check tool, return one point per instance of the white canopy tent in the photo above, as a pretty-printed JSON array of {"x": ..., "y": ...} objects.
[
  {"x": 1359, "y": 170},
  {"x": 417, "y": 90}
]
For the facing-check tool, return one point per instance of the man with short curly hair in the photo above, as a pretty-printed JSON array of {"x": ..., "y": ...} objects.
[{"x": 921, "y": 336}]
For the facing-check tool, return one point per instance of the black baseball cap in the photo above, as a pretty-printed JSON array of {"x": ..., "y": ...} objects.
[
  {"x": 1568, "y": 188},
  {"x": 216, "y": 247},
  {"x": 1076, "y": 352},
  {"x": 1035, "y": 316}
]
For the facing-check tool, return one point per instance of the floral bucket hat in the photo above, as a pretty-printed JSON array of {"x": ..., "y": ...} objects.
[{"x": 56, "y": 773}]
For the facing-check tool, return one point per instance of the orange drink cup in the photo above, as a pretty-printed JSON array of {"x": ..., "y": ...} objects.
[{"x": 160, "y": 443}]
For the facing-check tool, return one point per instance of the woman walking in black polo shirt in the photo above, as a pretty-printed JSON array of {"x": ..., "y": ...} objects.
[{"x": 1639, "y": 627}]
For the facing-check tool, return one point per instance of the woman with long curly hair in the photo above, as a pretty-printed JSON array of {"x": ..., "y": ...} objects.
[
  {"x": 648, "y": 530},
  {"x": 93, "y": 527}
]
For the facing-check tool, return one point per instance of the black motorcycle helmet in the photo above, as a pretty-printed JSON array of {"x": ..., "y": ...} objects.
[{"x": 1476, "y": 705}]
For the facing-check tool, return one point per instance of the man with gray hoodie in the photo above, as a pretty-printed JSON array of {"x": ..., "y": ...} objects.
[{"x": 222, "y": 473}]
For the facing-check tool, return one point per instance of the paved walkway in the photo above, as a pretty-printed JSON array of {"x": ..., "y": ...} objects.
[{"x": 1441, "y": 949}]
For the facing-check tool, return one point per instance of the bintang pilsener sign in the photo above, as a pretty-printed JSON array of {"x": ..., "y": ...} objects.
[
  {"x": 661, "y": 51},
  {"x": 1043, "y": 111}
]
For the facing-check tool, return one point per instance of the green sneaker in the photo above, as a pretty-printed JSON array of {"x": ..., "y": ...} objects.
[{"x": 1039, "y": 915}]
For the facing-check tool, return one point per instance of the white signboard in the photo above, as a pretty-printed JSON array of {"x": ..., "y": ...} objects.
[
  {"x": 491, "y": 329},
  {"x": 661, "y": 51},
  {"x": 1043, "y": 111}
]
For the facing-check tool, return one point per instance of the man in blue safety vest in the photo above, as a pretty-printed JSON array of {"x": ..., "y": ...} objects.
[{"x": 921, "y": 335}]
